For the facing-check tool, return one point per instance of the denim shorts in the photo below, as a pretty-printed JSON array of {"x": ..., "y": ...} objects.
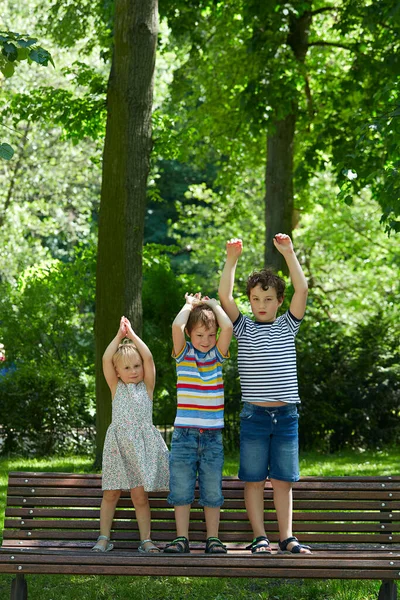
[
  {"x": 269, "y": 446},
  {"x": 196, "y": 452}
]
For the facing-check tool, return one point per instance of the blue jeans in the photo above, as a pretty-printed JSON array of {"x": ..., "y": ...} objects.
[
  {"x": 196, "y": 452},
  {"x": 269, "y": 443}
]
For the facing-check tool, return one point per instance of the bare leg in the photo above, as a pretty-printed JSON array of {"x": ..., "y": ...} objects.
[
  {"x": 212, "y": 520},
  {"x": 107, "y": 510},
  {"x": 182, "y": 516},
  {"x": 283, "y": 501},
  {"x": 254, "y": 501},
  {"x": 140, "y": 501}
]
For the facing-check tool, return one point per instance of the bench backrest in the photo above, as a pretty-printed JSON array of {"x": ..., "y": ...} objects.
[{"x": 55, "y": 510}]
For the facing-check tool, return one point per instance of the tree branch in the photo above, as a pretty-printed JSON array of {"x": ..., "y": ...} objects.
[{"x": 336, "y": 45}]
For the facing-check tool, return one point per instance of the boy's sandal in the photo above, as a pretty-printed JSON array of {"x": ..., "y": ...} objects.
[
  {"x": 215, "y": 546},
  {"x": 296, "y": 549},
  {"x": 101, "y": 547},
  {"x": 148, "y": 547},
  {"x": 260, "y": 545},
  {"x": 179, "y": 545}
]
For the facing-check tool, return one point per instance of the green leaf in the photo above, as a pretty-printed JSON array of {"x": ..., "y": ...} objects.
[
  {"x": 27, "y": 43},
  {"x": 8, "y": 69},
  {"x": 10, "y": 51},
  {"x": 23, "y": 53},
  {"x": 348, "y": 200},
  {"x": 6, "y": 151}
]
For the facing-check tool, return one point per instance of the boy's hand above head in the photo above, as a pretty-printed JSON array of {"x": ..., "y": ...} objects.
[
  {"x": 234, "y": 248},
  {"x": 209, "y": 301},
  {"x": 283, "y": 243},
  {"x": 193, "y": 299}
]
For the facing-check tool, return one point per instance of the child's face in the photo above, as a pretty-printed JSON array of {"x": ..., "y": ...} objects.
[
  {"x": 203, "y": 339},
  {"x": 130, "y": 370},
  {"x": 264, "y": 303}
]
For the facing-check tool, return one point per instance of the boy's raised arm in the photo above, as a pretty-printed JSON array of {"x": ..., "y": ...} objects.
[
  {"x": 234, "y": 249},
  {"x": 224, "y": 323},
  {"x": 180, "y": 321},
  {"x": 284, "y": 245}
]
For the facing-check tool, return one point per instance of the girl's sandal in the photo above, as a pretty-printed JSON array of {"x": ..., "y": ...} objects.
[
  {"x": 150, "y": 549},
  {"x": 260, "y": 545},
  {"x": 215, "y": 546},
  {"x": 296, "y": 549},
  {"x": 102, "y": 547},
  {"x": 179, "y": 545}
]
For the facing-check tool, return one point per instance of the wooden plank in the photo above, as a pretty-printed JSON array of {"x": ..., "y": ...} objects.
[
  {"x": 311, "y": 504},
  {"x": 62, "y": 513},
  {"x": 204, "y": 571}
]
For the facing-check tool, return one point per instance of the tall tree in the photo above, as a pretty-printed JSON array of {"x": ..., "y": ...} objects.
[
  {"x": 126, "y": 163},
  {"x": 294, "y": 79}
]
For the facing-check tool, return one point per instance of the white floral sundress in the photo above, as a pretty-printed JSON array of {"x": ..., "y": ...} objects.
[{"x": 134, "y": 453}]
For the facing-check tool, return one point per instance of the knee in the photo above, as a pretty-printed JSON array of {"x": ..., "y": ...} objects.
[
  {"x": 139, "y": 497},
  {"x": 281, "y": 486},
  {"x": 111, "y": 496},
  {"x": 254, "y": 486}
]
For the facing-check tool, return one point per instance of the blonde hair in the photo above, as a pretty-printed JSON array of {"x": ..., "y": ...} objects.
[{"x": 125, "y": 353}]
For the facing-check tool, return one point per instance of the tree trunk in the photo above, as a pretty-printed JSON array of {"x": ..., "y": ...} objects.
[
  {"x": 280, "y": 148},
  {"x": 126, "y": 161},
  {"x": 279, "y": 188}
]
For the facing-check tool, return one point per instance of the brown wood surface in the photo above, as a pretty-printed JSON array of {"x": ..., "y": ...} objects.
[{"x": 52, "y": 520}]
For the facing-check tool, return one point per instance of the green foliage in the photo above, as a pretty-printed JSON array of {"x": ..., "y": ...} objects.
[
  {"x": 46, "y": 327},
  {"x": 44, "y": 409},
  {"x": 16, "y": 47},
  {"x": 350, "y": 386}
]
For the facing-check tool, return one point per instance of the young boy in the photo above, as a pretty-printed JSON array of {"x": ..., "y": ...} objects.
[
  {"x": 197, "y": 439},
  {"x": 268, "y": 378}
]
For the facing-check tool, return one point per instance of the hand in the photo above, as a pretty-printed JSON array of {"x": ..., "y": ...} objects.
[
  {"x": 234, "y": 248},
  {"x": 122, "y": 328},
  {"x": 128, "y": 326},
  {"x": 192, "y": 299},
  {"x": 283, "y": 243},
  {"x": 209, "y": 301}
]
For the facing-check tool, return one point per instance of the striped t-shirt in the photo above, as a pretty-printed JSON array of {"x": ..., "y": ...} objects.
[
  {"x": 200, "y": 388},
  {"x": 267, "y": 359}
]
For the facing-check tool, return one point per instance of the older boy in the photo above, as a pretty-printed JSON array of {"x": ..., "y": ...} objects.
[
  {"x": 268, "y": 377},
  {"x": 197, "y": 439}
]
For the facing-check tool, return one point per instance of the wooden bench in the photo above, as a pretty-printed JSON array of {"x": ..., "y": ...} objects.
[{"x": 352, "y": 523}]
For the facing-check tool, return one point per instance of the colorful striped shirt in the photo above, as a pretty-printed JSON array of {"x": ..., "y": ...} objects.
[{"x": 200, "y": 388}]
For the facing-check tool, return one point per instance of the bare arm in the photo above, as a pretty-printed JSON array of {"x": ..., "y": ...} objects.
[
  {"x": 180, "y": 321},
  {"x": 149, "y": 368},
  {"x": 283, "y": 244},
  {"x": 108, "y": 367},
  {"x": 224, "y": 323},
  {"x": 234, "y": 249}
]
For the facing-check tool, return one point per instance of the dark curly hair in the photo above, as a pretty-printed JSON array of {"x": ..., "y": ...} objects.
[
  {"x": 267, "y": 279},
  {"x": 201, "y": 314}
]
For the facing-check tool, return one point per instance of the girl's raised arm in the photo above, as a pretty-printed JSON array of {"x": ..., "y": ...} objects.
[
  {"x": 108, "y": 367},
  {"x": 149, "y": 368}
]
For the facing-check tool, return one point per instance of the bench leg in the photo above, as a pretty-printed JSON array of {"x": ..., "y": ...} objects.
[
  {"x": 19, "y": 588},
  {"x": 388, "y": 590}
]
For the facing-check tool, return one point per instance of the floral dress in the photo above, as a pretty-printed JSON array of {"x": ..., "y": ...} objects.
[{"x": 134, "y": 453}]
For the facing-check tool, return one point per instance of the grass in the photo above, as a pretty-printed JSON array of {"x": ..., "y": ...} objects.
[{"x": 41, "y": 587}]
